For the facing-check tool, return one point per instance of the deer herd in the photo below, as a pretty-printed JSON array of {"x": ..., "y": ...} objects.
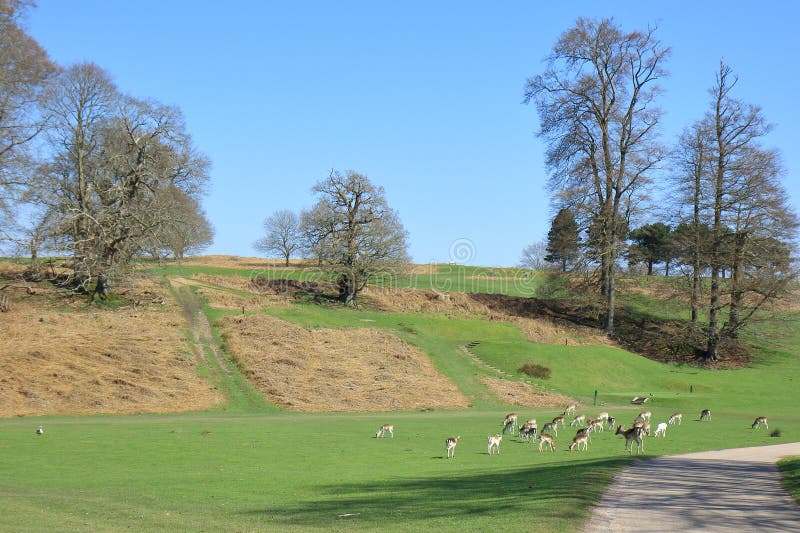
[{"x": 529, "y": 430}]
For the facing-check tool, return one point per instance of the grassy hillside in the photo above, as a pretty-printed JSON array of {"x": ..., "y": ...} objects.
[{"x": 250, "y": 465}]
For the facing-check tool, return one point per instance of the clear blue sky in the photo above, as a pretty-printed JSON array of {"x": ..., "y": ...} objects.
[{"x": 422, "y": 97}]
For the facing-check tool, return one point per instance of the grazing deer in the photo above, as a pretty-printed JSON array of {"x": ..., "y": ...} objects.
[
  {"x": 584, "y": 431},
  {"x": 632, "y": 435},
  {"x": 384, "y": 429},
  {"x": 510, "y": 423},
  {"x": 579, "y": 420},
  {"x": 760, "y": 420},
  {"x": 494, "y": 443},
  {"x": 645, "y": 415},
  {"x": 570, "y": 410},
  {"x": 603, "y": 416},
  {"x": 676, "y": 417},
  {"x": 40, "y": 431},
  {"x": 544, "y": 438},
  {"x": 450, "y": 446},
  {"x": 705, "y": 414},
  {"x": 528, "y": 430},
  {"x": 662, "y": 429},
  {"x": 559, "y": 419},
  {"x": 578, "y": 440},
  {"x": 552, "y": 426},
  {"x": 595, "y": 424}
]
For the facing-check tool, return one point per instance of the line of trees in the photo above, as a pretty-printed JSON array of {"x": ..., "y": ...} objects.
[
  {"x": 597, "y": 103},
  {"x": 89, "y": 172},
  {"x": 351, "y": 231}
]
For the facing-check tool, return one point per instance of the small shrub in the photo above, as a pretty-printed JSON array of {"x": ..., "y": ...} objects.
[
  {"x": 775, "y": 433},
  {"x": 535, "y": 370}
]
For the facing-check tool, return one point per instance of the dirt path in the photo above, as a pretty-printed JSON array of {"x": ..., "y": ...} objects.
[{"x": 734, "y": 490}]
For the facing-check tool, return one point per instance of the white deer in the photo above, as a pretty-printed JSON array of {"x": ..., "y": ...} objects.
[
  {"x": 384, "y": 429},
  {"x": 544, "y": 438},
  {"x": 662, "y": 429},
  {"x": 676, "y": 417},
  {"x": 632, "y": 435},
  {"x": 494, "y": 443},
  {"x": 450, "y": 446},
  {"x": 760, "y": 420},
  {"x": 645, "y": 415},
  {"x": 578, "y": 440}
]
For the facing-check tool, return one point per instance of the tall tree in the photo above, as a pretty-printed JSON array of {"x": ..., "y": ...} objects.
[
  {"x": 692, "y": 160},
  {"x": 357, "y": 233},
  {"x": 596, "y": 102},
  {"x": 563, "y": 239},
  {"x": 112, "y": 154},
  {"x": 751, "y": 225},
  {"x": 24, "y": 71},
  {"x": 283, "y": 235}
]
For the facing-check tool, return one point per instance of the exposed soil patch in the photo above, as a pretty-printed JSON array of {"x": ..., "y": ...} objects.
[
  {"x": 524, "y": 395},
  {"x": 96, "y": 362},
  {"x": 336, "y": 370}
]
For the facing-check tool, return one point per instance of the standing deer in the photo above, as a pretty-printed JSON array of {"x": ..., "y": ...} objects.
[
  {"x": 760, "y": 420},
  {"x": 552, "y": 426},
  {"x": 450, "y": 446},
  {"x": 570, "y": 410},
  {"x": 494, "y": 443},
  {"x": 705, "y": 414},
  {"x": 632, "y": 435}
]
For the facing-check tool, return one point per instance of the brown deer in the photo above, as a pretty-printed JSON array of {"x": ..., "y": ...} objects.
[
  {"x": 544, "y": 438},
  {"x": 760, "y": 420},
  {"x": 578, "y": 440},
  {"x": 632, "y": 435}
]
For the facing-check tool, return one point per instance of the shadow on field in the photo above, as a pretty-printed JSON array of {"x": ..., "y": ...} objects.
[{"x": 571, "y": 488}]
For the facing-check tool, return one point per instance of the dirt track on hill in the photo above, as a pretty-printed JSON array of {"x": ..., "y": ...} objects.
[{"x": 734, "y": 491}]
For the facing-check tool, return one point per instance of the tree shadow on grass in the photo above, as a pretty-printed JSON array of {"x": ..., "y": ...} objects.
[{"x": 563, "y": 491}]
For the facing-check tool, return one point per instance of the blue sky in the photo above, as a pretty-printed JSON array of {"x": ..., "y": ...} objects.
[{"x": 422, "y": 97}]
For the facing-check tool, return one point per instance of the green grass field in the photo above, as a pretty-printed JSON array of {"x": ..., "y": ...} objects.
[{"x": 254, "y": 467}]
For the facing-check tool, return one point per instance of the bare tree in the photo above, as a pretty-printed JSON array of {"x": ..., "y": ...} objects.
[
  {"x": 187, "y": 231},
  {"x": 282, "y": 235},
  {"x": 358, "y": 235},
  {"x": 24, "y": 71},
  {"x": 596, "y": 102},
  {"x": 740, "y": 219},
  {"x": 533, "y": 256},
  {"x": 112, "y": 156}
]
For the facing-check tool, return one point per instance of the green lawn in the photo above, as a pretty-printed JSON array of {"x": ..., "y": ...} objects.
[
  {"x": 790, "y": 469},
  {"x": 254, "y": 467}
]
